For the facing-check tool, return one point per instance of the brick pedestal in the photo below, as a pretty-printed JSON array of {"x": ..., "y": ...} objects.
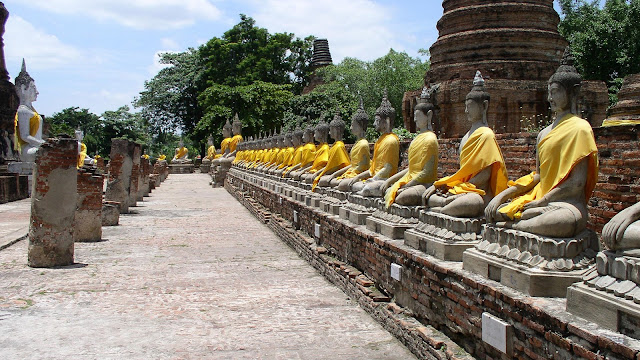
[
  {"x": 135, "y": 175},
  {"x": 88, "y": 224},
  {"x": 53, "y": 205},
  {"x": 120, "y": 168}
]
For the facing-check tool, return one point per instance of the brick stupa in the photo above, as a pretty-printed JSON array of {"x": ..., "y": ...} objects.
[
  {"x": 517, "y": 47},
  {"x": 321, "y": 58},
  {"x": 627, "y": 110}
]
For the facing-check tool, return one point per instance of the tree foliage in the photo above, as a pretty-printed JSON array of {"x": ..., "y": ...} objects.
[
  {"x": 70, "y": 119},
  {"x": 605, "y": 40}
]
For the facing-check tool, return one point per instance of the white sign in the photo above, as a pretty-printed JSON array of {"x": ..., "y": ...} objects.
[
  {"x": 495, "y": 332},
  {"x": 295, "y": 216},
  {"x": 396, "y": 272},
  {"x": 317, "y": 231}
]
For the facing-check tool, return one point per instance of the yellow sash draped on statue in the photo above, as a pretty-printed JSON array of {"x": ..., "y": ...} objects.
[
  {"x": 211, "y": 152},
  {"x": 386, "y": 150},
  {"x": 608, "y": 123},
  {"x": 224, "y": 145},
  {"x": 422, "y": 148},
  {"x": 480, "y": 151},
  {"x": 162, "y": 157},
  {"x": 258, "y": 158},
  {"x": 288, "y": 158},
  {"x": 82, "y": 155},
  {"x": 308, "y": 154},
  {"x": 182, "y": 152},
  {"x": 280, "y": 157},
  {"x": 296, "y": 159},
  {"x": 359, "y": 152},
  {"x": 320, "y": 159},
  {"x": 34, "y": 126},
  {"x": 566, "y": 145},
  {"x": 338, "y": 158},
  {"x": 233, "y": 143}
]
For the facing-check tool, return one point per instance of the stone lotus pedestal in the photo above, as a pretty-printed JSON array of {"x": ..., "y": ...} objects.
[
  {"x": 610, "y": 295},
  {"x": 205, "y": 167},
  {"x": 444, "y": 237},
  {"x": 393, "y": 222},
  {"x": 358, "y": 209},
  {"x": 186, "y": 168},
  {"x": 533, "y": 264}
]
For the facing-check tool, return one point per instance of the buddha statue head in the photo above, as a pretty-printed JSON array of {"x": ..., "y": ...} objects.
[
  {"x": 336, "y": 127},
  {"x": 423, "y": 114},
  {"x": 298, "y": 137},
  {"x": 210, "y": 141},
  {"x": 564, "y": 86},
  {"x": 288, "y": 139},
  {"x": 307, "y": 137},
  {"x": 385, "y": 115},
  {"x": 321, "y": 132},
  {"x": 477, "y": 101},
  {"x": 237, "y": 125},
  {"x": 227, "y": 130},
  {"x": 360, "y": 121},
  {"x": 180, "y": 144},
  {"x": 26, "y": 86},
  {"x": 79, "y": 135}
]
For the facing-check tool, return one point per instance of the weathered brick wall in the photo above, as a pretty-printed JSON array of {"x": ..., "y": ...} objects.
[
  {"x": 443, "y": 295},
  {"x": 88, "y": 221}
]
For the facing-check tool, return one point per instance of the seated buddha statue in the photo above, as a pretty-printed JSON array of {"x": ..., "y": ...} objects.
[
  {"x": 359, "y": 156},
  {"x": 320, "y": 134},
  {"x": 211, "y": 150},
  {"x": 297, "y": 140},
  {"x": 482, "y": 173},
  {"x": 407, "y": 186},
  {"x": 181, "y": 154},
  {"x": 230, "y": 153},
  {"x": 286, "y": 154},
  {"x": 307, "y": 154},
  {"x": 279, "y": 156},
  {"x": 552, "y": 201},
  {"x": 338, "y": 157},
  {"x": 28, "y": 130},
  {"x": 386, "y": 154},
  {"x": 270, "y": 154},
  {"x": 83, "y": 158},
  {"x": 224, "y": 145}
]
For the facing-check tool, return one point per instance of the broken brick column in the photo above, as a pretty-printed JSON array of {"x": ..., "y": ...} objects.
[
  {"x": 88, "y": 225},
  {"x": 135, "y": 175},
  {"x": 146, "y": 177},
  {"x": 53, "y": 204},
  {"x": 120, "y": 167}
]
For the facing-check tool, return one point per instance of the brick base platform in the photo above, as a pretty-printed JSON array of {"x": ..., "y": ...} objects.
[{"x": 436, "y": 307}]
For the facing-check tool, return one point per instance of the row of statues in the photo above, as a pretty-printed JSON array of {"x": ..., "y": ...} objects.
[{"x": 551, "y": 201}]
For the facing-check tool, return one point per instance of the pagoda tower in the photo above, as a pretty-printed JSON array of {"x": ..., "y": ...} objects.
[
  {"x": 321, "y": 57},
  {"x": 517, "y": 47}
]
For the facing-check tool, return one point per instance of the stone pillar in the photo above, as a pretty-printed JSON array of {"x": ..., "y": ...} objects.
[
  {"x": 88, "y": 226},
  {"x": 110, "y": 213},
  {"x": 120, "y": 167},
  {"x": 135, "y": 175},
  {"x": 53, "y": 204},
  {"x": 146, "y": 177}
]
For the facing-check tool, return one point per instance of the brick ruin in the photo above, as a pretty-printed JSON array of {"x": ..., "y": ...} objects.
[
  {"x": 88, "y": 221},
  {"x": 517, "y": 47}
]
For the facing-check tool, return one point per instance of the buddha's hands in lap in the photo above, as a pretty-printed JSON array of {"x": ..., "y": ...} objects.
[
  {"x": 536, "y": 204},
  {"x": 491, "y": 210},
  {"x": 427, "y": 194},
  {"x": 613, "y": 231}
]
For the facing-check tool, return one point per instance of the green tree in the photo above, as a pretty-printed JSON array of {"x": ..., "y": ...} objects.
[
  {"x": 170, "y": 99},
  {"x": 70, "y": 119},
  {"x": 605, "y": 40},
  {"x": 121, "y": 123}
]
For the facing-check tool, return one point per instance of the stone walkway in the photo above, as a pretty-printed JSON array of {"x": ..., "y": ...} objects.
[{"x": 190, "y": 275}]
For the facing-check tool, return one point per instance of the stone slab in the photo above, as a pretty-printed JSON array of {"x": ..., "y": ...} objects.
[
  {"x": 438, "y": 248},
  {"x": 389, "y": 229},
  {"x": 181, "y": 168},
  {"x": 531, "y": 281}
]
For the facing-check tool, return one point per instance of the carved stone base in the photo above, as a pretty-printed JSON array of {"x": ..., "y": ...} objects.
[
  {"x": 535, "y": 265},
  {"x": 205, "y": 167},
  {"x": 312, "y": 200},
  {"x": 390, "y": 225},
  {"x": 181, "y": 168},
  {"x": 357, "y": 214},
  {"x": 444, "y": 237},
  {"x": 331, "y": 205}
]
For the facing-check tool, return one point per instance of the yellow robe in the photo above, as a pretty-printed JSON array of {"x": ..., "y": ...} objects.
[
  {"x": 82, "y": 155},
  {"x": 558, "y": 152},
  {"x": 320, "y": 159},
  {"x": 34, "y": 126},
  {"x": 182, "y": 152},
  {"x": 296, "y": 160},
  {"x": 280, "y": 157},
  {"x": 480, "y": 151},
  {"x": 288, "y": 158},
  {"x": 211, "y": 153},
  {"x": 308, "y": 154},
  {"x": 233, "y": 143},
  {"x": 386, "y": 150},
  {"x": 224, "y": 145},
  {"x": 608, "y": 123},
  {"x": 162, "y": 157},
  {"x": 338, "y": 158},
  {"x": 359, "y": 152},
  {"x": 422, "y": 148}
]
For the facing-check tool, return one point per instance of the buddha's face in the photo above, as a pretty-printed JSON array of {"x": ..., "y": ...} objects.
[
  {"x": 210, "y": 141},
  {"x": 317, "y": 134},
  {"x": 79, "y": 135},
  {"x": 29, "y": 92},
  {"x": 422, "y": 119},
  {"x": 474, "y": 110},
  {"x": 335, "y": 132},
  {"x": 226, "y": 132},
  {"x": 180, "y": 144},
  {"x": 237, "y": 128},
  {"x": 558, "y": 97},
  {"x": 308, "y": 136}
]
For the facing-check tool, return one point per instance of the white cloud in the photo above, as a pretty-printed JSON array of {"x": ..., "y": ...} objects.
[
  {"x": 356, "y": 28},
  {"x": 169, "y": 43},
  {"x": 138, "y": 14},
  {"x": 41, "y": 50}
]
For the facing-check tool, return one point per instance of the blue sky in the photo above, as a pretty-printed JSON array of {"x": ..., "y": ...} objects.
[{"x": 96, "y": 54}]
